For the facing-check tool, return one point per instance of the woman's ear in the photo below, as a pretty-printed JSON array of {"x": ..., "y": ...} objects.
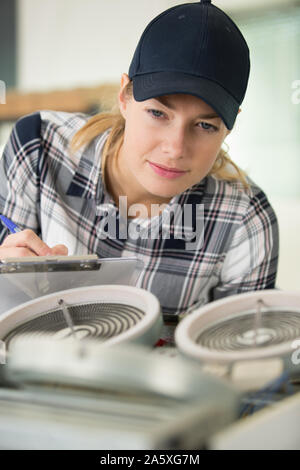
[{"x": 122, "y": 98}]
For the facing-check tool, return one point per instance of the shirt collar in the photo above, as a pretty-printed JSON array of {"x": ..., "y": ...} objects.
[{"x": 87, "y": 180}]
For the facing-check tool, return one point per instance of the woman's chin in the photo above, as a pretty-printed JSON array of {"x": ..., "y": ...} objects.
[{"x": 165, "y": 196}]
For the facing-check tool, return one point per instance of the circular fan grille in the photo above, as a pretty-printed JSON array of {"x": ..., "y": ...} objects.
[
  {"x": 241, "y": 331},
  {"x": 101, "y": 320}
]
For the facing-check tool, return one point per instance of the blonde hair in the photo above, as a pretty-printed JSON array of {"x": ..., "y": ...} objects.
[{"x": 224, "y": 168}]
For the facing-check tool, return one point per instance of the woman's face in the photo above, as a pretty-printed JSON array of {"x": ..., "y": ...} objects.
[{"x": 170, "y": 144}]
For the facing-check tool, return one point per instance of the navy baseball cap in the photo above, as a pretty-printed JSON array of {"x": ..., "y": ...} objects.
[{"x": 193, "y": 48}]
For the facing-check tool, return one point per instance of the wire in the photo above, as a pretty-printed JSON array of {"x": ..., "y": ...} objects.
[{"x": 264, "y": 396}]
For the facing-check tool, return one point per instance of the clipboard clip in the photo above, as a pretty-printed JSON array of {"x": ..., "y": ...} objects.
[{"x": 50, "y": 264}]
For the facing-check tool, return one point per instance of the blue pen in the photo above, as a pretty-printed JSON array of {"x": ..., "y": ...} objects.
[{"x": 13, "y": 228}]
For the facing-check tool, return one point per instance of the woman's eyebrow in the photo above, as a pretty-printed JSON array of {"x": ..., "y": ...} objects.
[
  {"x": 164, "y": 101},
  {"x": 209, "y": 116},
  {"x": 168, "y": 104}
]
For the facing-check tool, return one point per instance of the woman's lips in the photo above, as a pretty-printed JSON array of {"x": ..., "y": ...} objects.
[{"x": 166, "y": 172}]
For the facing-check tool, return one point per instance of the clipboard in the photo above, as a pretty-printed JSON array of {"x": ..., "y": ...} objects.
[{"x": 24, "y": 279}]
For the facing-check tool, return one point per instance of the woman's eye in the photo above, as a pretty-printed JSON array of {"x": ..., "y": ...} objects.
[
  {"x": 155, "y": 113},
  {"x": 207, "y": 127}
]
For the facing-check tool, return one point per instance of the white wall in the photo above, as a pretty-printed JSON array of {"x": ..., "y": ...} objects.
[
  {"x": 65, "y": 43},
  {"x": 250, "y": 4},
  {"x": 288, "y": 213}
]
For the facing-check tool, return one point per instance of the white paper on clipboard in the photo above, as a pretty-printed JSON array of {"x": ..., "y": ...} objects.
[{"x": 24, "y": 280}]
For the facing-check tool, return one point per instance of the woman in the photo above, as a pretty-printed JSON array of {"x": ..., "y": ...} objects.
[{"x": 77, "y": 185}]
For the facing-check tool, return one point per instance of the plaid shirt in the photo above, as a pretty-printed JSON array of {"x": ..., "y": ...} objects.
[{"x": 62, "y": 198}]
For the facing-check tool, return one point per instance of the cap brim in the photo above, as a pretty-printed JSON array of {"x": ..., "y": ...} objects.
[{"x": 156, "y": 84}]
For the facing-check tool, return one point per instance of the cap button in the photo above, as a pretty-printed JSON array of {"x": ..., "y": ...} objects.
[{"x": 205, "y": 1}]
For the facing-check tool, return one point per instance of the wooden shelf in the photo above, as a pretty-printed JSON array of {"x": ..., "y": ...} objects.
[{"x": 85, "y": 100}]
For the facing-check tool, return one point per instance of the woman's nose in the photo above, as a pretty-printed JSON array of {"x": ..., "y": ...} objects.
[{"x": 174, "y": 142}]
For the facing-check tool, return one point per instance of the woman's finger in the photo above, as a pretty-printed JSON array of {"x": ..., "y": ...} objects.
[
  {"x": 61, "y": 250},
  {"x": 7, "y": 252},
  {"x": 28, "y": 239}
]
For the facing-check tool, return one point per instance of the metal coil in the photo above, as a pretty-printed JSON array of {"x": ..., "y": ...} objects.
[
  {"x": 238, "y": 332},
  {"x": 100, "y": 320}
]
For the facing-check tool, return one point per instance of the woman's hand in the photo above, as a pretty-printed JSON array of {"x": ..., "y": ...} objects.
[{"x": 27, "y": 243}]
